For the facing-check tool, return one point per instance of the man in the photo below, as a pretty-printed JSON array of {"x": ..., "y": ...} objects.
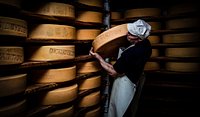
[{"x": 128, "y": 68}]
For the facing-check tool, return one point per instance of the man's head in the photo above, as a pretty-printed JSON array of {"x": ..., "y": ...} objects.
[{"x": 139, "y": 28}]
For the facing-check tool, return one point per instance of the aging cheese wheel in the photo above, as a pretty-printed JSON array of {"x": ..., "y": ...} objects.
[
  {"x": 56, "y": 9},
  {"x": 87, "y": 34},
  {"x": 51, "y": 52},
  {"x": 155, "y": 53},
  {"x": 59, "y": 95},
  {"x": 89, "y": 16},
  {"x": 52, "y": 31},
  {"x": 14, "y": 84},
  {"x": 182, "y": 23},
  {"x": 116, "y": 15},
  {"x": 155, "y": 25},
  {"x": 66, "y": 112},
  {"x": 53, "y": 75},
  {"x": 93, "y": 113},
  {"x": 13, "y": 27},
  {"x": 154, "y": 39},
  {"x": 13, "y": 109},
  {"x": 10, "y": 55},
  {"x": 96, "y": 3},
  {"x": 90, "y": 100},
  {"x": 182, "y": 52},
  {"x": 142, "y": 12},
  {"x": 13, "y": 3},
  {"x": 108, "y": 42},
  {"x": 88, "y": 67},
  {"x": 152, "y": 66},
  {"x": 183, "y": 66},
  {"x": 90, "y": 83},
  {"x": 183, "y": 8},
  {"x": 181, "y": 38}
]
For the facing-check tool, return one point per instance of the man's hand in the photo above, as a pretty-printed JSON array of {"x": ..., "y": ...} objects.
[{"x": 96, "y": 55}]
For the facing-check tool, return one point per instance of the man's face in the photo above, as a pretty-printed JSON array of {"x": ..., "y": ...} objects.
[{"x": 132, "y": 38}]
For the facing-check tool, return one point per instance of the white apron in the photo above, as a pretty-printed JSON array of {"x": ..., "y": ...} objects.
[{"x": 122, "y": 93}]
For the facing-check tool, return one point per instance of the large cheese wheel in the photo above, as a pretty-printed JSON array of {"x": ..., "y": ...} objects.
[
  {"x": 108, "y": 42},
  {"x": 51, "y": 52},
  {"x": 13, "y": 27},
  {"x": 155, "y": 53},
  {"x": 59, "y": 95},
  {"x": 116, "y": 15},
  {"x": 89, "y": 16},
  {"x": 13, "y": 3},
  {"x": 151, "y": 66},
  {"x": 52, "y": 31},
  {"x": 155, "y": 25},
  {"x": 182, "y": 52},
  {"x": 13, "y": 109},
  {"x": 181, "y": 38},
  {"x": 88, "y": 67},
  {"x": 96, "y": 3},
  {"x": 10, "y": 55},
  {"x": 53, "y": 75},
  {"x": 93, "y": 113},
  {"x": 87, "y": 34},
  {"x": 90, "y": 83},
  {"x": 66, "y": 112},
  {"x": 142, "y": 12},
  {"x": 154, "y": 39},
  {"x": 14, "y": 84},
  {"x": 182, "y": 23},
  {"x": 183, "y": 8},
  {"x": 90, "y": 100},
  {"x": 56, "y": 9},
  {"x": 183, "y": 66}
]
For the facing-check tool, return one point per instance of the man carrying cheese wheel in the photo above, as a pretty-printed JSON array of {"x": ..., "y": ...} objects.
[{"x": 128, "y": 68}]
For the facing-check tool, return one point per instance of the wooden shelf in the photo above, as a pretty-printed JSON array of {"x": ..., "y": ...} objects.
[
  {"x": 175, "y": 59},
  {"x": 162, "y": 71},
  {"x": 80, "y": 6},
  {"x": 177, "y": 45}
]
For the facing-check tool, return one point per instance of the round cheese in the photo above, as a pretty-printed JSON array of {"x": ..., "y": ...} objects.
[
  {"x": 90, "y": 100},
  {"x": 13, "y": 27},
  {"x": 14, "y": 84},
  {"x": 108, "y": 42},
  {"x": 182, "y": 23},
  {"x": 151, "y": 66},
  {"x": 59, "y": 95},
  {"x": 155, "y": 25},
  {"x": 116, "y": 15},
  {"x": 90, "y": 83},
  {"x": 10, "y": 55},
  {"x": 13, "y": 3},
  {"x": 13, "y": 109},
  {"x": 93, "y": 113},
  {"x": 66, "y": 112},
  {"x": 183, "y": 8},
  {"x": 142, "y": 12},
  {"x": 182, "y": 66},
  {"x": 155, "y": 53},
  {"x": 89, "y": 16},
  {"x": 87, "y": 34},
  {"x": 52, "y": 31},
  {"x": 96, "y": 3},
  {"x": 181, "y": 38},
  {"x": 51, "y": 52},
  {"x": 58, "y": 75},
  {"x": 154, "y": 39},
  {"x": 88, "y": 67},
  {"x": 182, "y": 52},
  {"x": 56, "y": 9}
]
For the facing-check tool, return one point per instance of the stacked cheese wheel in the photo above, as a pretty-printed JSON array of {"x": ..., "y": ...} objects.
[
  {"x": 57, "y": 75},
  {"x": 95, "y": 3},
  {"x": 87, "y": 34},
  {"x": 56, "y": 9},
  {"x": 89, "y": 17},
  {"x": 65, "y": 112},
  {"x": 88, "y": 67},
  {"x": 90, "y": 100}
]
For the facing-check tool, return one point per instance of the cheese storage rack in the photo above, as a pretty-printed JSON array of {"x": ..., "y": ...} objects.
[{"x": 21, "y": 11}]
